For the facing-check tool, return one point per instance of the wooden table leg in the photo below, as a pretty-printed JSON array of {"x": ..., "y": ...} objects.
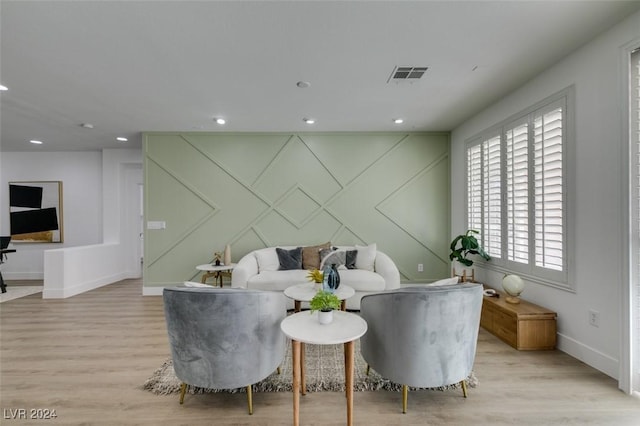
[
  {"x": 295, "y": 348},
  {"x": 303, "y": 380},
  {"x": 348, "y": 371},
  {"x": 343, "y": 305},
  {"x": 297, "y": 305}
]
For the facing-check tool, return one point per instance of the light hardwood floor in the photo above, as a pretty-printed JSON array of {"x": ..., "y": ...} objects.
[{"x": 86, "y": 357}]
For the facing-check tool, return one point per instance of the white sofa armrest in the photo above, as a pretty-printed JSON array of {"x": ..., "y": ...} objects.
[
  {"x": 246, "y": 267},
  {"x": 388, "y": 269}
]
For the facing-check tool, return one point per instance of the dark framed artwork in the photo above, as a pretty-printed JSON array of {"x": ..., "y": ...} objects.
[{"x": 35, "y": 210}]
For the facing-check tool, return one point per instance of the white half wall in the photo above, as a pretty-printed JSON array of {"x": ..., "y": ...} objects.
[{"x": 601, "y": 149}]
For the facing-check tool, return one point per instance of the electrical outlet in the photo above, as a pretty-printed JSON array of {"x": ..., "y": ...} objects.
[
  {"x": 420, "y": 267},
  {"x": 594, "y": 318}
]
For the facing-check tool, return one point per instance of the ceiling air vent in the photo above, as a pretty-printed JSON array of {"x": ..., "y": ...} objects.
[{"x": 407, "y": 73}]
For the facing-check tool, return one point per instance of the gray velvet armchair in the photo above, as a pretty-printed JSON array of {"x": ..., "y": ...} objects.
[
  {"x": 422, "y": 336},
  {"x": 224, "y": 338}
]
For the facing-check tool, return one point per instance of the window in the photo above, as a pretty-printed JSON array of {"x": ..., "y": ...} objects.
[{"x": 516, "y": 191}]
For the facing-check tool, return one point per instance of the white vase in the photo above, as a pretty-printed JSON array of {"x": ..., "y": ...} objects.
[
  {"x": 227, "y": 255},
  {"x": 325, "y": 317}
]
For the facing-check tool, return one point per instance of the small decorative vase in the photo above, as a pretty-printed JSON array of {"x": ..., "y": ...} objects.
[
  {"x": 227, "y": 255},
  {"x": 513, "y": 286},
  {"x": 325, "y": 317},
  {"x": 331, "y": 279}
]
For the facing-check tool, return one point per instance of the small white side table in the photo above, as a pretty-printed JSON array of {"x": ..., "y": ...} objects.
[
  {"x": 215, "y": 271},
  {"x": 305, "y": 292},
  {"x": 303, "y": 327}
]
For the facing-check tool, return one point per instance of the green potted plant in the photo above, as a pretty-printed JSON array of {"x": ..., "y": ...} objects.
[
  {"x": 325, "y": 303},
  {"x": 463, "y": 246}
]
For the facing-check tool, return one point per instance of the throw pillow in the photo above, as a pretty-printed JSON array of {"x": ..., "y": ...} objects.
[
  {"x": 289, "y": 259},
  {"x": 339, "y": 257},
  {"x": 311, "y": 256},
  {"x": 267, "y": 259},
  {"x": 366, "y": 257},
  {"x": 445, "y": 281}
]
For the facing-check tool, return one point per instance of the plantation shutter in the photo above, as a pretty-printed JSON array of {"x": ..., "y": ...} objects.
[
  {"x": 474, "y": 187},
  {"x": 492, "y": 191},
  {"x": 548, "y": 188},
  {"x": 517, "y": 188}
]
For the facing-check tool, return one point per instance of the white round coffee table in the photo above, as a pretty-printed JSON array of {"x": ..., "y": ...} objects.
[
  {"x": 303, "y": 327},
  {"x": 215, "y": 271},
  {"x": 305, "y": 292}
]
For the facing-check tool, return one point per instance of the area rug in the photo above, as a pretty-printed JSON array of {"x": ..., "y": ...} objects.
[
  {"x": 324, "y": 372},
  {"x": 18, "y": 292}
]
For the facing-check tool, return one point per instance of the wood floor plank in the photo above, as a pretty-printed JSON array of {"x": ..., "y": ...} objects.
[{"x": 88, "y": 356}]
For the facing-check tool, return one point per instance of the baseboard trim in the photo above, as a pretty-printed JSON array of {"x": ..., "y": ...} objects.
[
  {"x": 152, "y": 291},
  {"x": 27, "y": 276},
  {"x": 590, "y": 356},
  {"x": 82, "y": 288}
]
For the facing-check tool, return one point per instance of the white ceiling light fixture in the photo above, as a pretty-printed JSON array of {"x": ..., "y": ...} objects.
[
  {"x": 87, "y": 125},
  {"x": 220, "y": 120},
  {"x": 3, "y": 88},
  {"x": 309, "y": 120},
  {"x": 35, "y": 142},
  {"x": 121, "y": 139},
  {"x": 303, "y": 84},
  {"x": 398, "y": 120}
]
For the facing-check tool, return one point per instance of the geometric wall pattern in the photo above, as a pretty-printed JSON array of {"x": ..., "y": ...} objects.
[{"x": 266, "y": 189}]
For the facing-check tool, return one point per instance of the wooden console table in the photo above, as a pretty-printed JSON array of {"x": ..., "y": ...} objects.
[{"x": 524, "y": 326}]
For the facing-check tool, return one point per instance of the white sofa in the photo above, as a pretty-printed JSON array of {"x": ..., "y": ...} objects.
[{"x": 258, "y": 270}]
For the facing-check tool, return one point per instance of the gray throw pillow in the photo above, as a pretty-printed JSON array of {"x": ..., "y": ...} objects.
[
  {"x": 338, "y": 257},
  {"x": 289, "y": 259}
]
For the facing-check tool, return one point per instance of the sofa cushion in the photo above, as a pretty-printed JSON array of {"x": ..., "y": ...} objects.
[
  {"x": 366, "y": 257},
  {"x": 311, "y": 255},
  {"x": 362, "y": 280},
  {"x": 289, "y": 259},
  {"x": 267, "y": 259},
  {"x": 277, "y": 280}
]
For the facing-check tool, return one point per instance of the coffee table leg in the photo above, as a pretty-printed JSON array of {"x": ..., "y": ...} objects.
[
  {"x": 297, "y": 305},
  {"x": 303, "y": 380},
  {"x": 348, "y": 370},
  {"x": 295, "y": 348},
  {"x": 343, "y": 305}
]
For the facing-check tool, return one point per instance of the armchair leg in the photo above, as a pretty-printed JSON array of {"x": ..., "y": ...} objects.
[
  {"x": 405, "y": 396},
  {"x": 368, "y": 369},
  {"x": 183, "y": 389},
  {"x": 250, "y": 399},
  {"x": 463, "y": 383},
  {"x": 278, "y": 369}
]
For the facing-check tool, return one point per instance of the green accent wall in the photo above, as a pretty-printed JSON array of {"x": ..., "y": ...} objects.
[{"x": 254, "y": 190}]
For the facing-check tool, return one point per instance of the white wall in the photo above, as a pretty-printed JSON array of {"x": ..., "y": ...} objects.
[
  {"x": 81, "y": 176},
  {"x": 600, "y": 152}
]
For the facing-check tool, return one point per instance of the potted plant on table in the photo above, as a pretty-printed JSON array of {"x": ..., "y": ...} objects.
[
  {"x": 316, "y": 276},
  {"x": 463, "y": 246},
  {"x": 325, "y": 303}
]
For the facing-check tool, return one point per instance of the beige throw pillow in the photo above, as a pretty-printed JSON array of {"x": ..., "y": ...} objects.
[{"x": 311, "y": 256}]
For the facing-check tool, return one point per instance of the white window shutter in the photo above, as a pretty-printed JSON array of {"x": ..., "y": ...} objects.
[
  {"x": 548, "y": 192},
  {"x": 492, "y": 203},
  {"x": 517, "y": 188}
]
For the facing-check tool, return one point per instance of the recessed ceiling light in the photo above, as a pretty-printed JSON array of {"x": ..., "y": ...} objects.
[
  {"x": 309, "y": 120},
  {"x": 121, "y": 139},
  {"x": 398, "y": 120},
  {"x": 87, "y": 125},
  {"x": 3, "y": 88},
  {"x": 33, "y": 141},
  {"x": 220, "y": 120},
  {"x": 303, "y": 84}
]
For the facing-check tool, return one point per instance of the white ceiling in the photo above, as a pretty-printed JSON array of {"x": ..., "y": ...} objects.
[{"x": 129, "y": 66}]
